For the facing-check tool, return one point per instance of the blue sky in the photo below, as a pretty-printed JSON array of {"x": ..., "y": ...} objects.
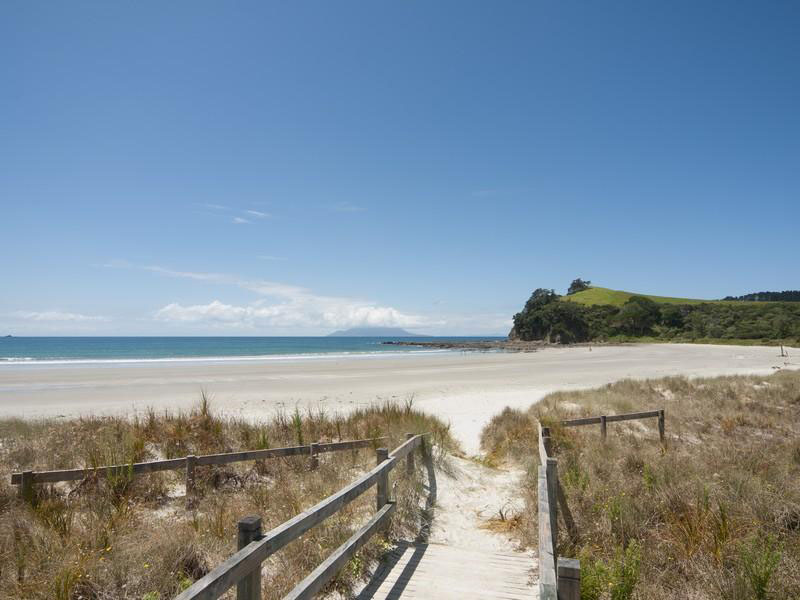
[{"x": 297, "y": 167}]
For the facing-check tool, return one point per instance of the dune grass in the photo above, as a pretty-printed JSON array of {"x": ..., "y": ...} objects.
[
  {"x": 715, "y": 513},
  {"x": 134, "y": 537}
]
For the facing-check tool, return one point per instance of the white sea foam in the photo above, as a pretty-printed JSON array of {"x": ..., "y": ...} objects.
[{"x": 13, "y": 360}]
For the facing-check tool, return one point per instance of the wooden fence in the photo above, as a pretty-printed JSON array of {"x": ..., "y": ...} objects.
[
  {"x": 604, "y": 419},
  {"x": 560, "y": 578},
  {"x": 26, "y": 479},
  {"x": 243, "y": 569}
]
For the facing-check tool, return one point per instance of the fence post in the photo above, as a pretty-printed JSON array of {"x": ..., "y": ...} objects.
[
  {"x": 547, "y": 441},
  {"x": 383, "y": 481},
  {"x": 552, "y": 498},
  {"x": 661, "y": 425},
  {"x": 603, "y": 426},
  {"x": 410, "y": 458},
  {"x": 191, "y": 462},
  {"x": 314, "y": 456},
  {"x": 25, "y": 490},
  {"x": 569, "y": 579},
  {"x": 249, "y": 587}
]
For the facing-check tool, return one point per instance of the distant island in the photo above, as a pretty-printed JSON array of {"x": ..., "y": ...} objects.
[{"x": 374, "y": 332}]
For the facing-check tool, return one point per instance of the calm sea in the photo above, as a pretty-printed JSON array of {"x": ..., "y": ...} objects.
[{"x": 138, "y": 349}]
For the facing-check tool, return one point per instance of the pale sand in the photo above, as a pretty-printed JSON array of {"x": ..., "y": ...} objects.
[{"x": 465, "y": 388}]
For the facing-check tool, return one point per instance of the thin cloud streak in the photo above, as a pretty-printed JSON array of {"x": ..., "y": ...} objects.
[{"x": 55, "y": 316}]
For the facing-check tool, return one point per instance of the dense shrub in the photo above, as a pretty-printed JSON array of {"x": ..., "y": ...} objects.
[{"x": 546, "y": 317}]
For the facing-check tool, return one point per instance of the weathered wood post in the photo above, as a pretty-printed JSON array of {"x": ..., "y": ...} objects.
[
  {"x": 382, "y": 454},
  {"x": 191, "y": 463},
  {"x": 25, "y": 490},
  {"x": 661, "y": 425},
  {"x": 552, "y": 498},
  {"x": 314, "y": 463},
  {"x": 603, "y": 430},
  {"x": 569, "y": 579},
  {"x": 410, "y": 458},
  {"x": 249, "y": 587},
  {"x": 548, "y": 443}
]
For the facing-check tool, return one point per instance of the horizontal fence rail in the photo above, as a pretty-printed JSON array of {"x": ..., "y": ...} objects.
[
  {"x": 245, "y": 565},
  {"x": 187, "y": 462},
  {"x": 604, "y": 419}
]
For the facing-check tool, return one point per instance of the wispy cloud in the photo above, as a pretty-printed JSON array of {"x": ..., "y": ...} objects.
[
  {"x": 347, "y": 207},
  {"x": 258, "y": 214},
  {"x": 55, "y": 316},
  {"x": 238, "y": 216},
  {"x": 278, "y": 305}
]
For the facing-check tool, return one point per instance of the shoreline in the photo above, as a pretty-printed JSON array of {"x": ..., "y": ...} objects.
[
  {"x": 30, "y": 362},
  {"x": 465, "y": 388}
]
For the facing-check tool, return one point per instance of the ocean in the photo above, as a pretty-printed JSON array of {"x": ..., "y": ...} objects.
[{"x": 16, "y": 350}]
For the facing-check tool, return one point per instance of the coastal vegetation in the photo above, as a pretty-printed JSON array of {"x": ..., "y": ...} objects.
[
  {"x": 141, "y": 537},
  {"x": 601, "y": 314},
  {"x": 713, "y": 513}
]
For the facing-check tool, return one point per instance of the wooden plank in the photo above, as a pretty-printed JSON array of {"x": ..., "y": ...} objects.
[
  {"x": 180, "y": 463},
  {"x": 349, "y": 445},
  {"x": 547, "y": 557},
  {"x": 76, "y": 474},
  {"x": 542, "y": 447},
  {"x": 569, "y": 579},
  {"x": 610, "y": 418},
  {"x": 306, "y": 589},
  {"x": 425, "y": 571},
  {"x": 552, "y": 498},
  {"x": 631, "y": 416},
  {"x": 408, "y": 446},
  {"x": 221, "y": 578},
  {"x": 583, "y": 421},
  {"x": 231, "y": 457}
]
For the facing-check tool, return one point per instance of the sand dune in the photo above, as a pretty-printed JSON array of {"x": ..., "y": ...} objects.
[{"x": 466, "y": 388}]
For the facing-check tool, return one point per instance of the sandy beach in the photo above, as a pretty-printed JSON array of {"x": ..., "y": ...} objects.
[{"x": 465, "y": 388}]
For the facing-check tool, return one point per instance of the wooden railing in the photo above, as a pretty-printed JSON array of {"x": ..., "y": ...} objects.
[
  {"x": 26, "y": 479},
  {"x": 604, "y": 419},
  {"x": 559, "y": 578},
  {"x": 243, "y": 569}
]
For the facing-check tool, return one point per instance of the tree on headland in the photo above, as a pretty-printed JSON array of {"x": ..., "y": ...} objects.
[
  {"x": 546, "y": 318},
  {"x": 578, "y": 285},
  {"x": 638, "y": 315}
]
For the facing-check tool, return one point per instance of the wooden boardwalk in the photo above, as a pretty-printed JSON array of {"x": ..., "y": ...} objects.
[{"x": 449, "y": 573}]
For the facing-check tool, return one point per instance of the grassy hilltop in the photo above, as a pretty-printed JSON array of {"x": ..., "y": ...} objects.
[{"x": 600, "y": 295}]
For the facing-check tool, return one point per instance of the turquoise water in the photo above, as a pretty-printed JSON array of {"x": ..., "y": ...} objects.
[{"x": 133, "y": 349}]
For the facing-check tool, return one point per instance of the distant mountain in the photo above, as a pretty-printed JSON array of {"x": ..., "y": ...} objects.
[{"x": 374, "y": 332}]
